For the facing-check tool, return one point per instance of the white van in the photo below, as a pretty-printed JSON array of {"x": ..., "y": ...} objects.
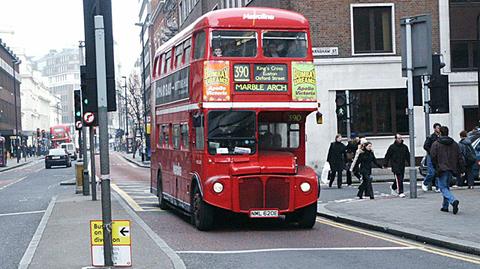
[{"x": 70, "y": 148}]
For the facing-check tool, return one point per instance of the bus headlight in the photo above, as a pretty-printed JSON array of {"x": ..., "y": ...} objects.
[
  {"x": 217, "y": 187},
  {"x": 305, "y": 187}
]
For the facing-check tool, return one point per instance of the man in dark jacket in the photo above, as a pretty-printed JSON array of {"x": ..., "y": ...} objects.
[
  {"x": 448, "y": 161},
  {"x": 429, "y": 179},
  {"x": 397, "y": 156},
  {"x": 336, "y": 159},
  {"x": 470, "y": 157},
  {"x": 351, "y": 148}
]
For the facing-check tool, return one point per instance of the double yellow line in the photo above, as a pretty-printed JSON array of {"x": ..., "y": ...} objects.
[{"x": 422, "y": 247}]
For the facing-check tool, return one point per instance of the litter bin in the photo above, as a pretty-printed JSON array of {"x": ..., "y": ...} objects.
[{"x": 79, "y": 177}]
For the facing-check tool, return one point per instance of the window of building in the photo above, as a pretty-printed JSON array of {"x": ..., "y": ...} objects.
[
  {"x": 199, "y": 49},
  {"x": 463, "y": 40},
  {"x": 376, "y": 112},
  {"x": 180, "y": 12},
  {"x": 176, "y": 136},
  {"x": 184, "y": 135},
  {"x": 372, "y": 28}
]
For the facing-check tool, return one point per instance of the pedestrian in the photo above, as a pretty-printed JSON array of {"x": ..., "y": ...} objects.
[
  {"x": 365, "y": 161},
  {"x": 448, "y": 161},
  {"x": 354, "y": 166},
  {"x": 351, "y": 148},
  {"x": 336, "y": 159},
  {"x": 397, "y": 156},
  {"x": 470, "y": 157},
  {"x": 430, "y": 178}
]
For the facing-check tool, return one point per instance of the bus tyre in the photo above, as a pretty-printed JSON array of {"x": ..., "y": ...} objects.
[
  {"x": 202, "y": 213},
  {"x": 162, "y": 203},
  {"x": 307, "y": 216}
]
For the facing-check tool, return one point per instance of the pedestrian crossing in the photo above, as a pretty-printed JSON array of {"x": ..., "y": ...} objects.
[{"x": 137, "y": 195}]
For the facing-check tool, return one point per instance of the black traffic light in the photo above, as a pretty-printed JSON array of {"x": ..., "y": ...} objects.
[
  {"x": 92, "y": 8},
  {"x": 89, "y": 98},
  {"x": 438, "y": 85},
  {"x": 341, "y": 103},
  {"x": 77, "y": 101}
]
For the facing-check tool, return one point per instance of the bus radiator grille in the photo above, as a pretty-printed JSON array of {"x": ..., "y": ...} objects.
[
  {"x": 277, "y": 193},
  {"x": 251, "y": 193}
]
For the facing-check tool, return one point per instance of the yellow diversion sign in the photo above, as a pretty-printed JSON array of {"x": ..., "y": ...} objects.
[{"x": 121, "y": 241}]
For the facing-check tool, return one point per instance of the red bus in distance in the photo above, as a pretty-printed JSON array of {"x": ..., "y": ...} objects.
[
  {"x": 60, "y": 134},
  {"x": 232, "y": 94}
]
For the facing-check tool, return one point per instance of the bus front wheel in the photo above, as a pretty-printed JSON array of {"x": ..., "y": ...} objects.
[
  {"x": 161, "y": 201},
  {"x": 202, "y": 213},
  {"x": 307, "y": 216}
]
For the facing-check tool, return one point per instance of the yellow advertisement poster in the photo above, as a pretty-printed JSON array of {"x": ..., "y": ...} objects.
[
  {"x": 304, "y": 82},
  {"x": 216, "y": 82}
]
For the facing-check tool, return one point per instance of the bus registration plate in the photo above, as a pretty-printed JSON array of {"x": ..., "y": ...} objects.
[{"x": 269, "y": 213}]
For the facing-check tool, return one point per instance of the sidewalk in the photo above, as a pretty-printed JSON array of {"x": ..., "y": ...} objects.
[
  {"x": 65, "y": 242},
  {"x": 12, "y": 163},
  {"x": 137, "y": 160},
  {"x": 417, "y": 219}
]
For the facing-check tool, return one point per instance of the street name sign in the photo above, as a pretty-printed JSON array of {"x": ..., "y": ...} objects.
[{"x": 121, "y": 241}]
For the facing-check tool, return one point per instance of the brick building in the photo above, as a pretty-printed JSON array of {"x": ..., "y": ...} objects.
[
  {"x": 10, "y": 115},
  {"x": 357, "y": 49}
]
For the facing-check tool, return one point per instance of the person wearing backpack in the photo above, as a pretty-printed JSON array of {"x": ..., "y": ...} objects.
[{"x": 470, "y": 157}]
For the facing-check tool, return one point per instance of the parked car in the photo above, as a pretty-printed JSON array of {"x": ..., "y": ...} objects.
[
  {"x": 57, "y": 157},
  {"x": 476, "y": 147},
  {"x": 70, "y": 148}
]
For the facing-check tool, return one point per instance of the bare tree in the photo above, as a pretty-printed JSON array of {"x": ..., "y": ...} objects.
[{"x": 135, "y": 103}]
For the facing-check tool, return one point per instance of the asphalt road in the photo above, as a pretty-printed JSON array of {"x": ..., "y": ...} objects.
[
  {"x": 241, "y": 243},
  {"x": 25, "y": 193}
]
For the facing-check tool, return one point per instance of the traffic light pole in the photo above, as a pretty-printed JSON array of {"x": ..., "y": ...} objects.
[
  {"x": 103, "y": 129},
  {"x": 86, "y": 189},
  {"x": 347, "y": 97},
  {"x": 426, "y": 103},
  {"x": 411, "y": 131},
  {"x": 93, "y": 180}
]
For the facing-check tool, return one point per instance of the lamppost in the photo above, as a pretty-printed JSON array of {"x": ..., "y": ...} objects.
[
  {"x": 126, "y": 112},
  {"x": 15, "y": 62},
  {"x": 147, "y": 144}
]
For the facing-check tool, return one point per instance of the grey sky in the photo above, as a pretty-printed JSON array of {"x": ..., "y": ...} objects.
[{"x": 41, "y": 25}]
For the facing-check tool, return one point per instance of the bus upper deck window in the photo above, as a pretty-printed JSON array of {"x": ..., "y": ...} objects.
[
  {"x": 199, "y": 49},
  {"x": 284, "y": 44},
  {"x": 234, "y": 44}
]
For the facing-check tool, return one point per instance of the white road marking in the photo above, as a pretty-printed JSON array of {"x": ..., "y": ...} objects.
[
  {"x": 10, "y": 184},
  {"x": 32, "y": 247},
  {"x": 294, "y": 249},
  {"x": 21, "y": 213}
]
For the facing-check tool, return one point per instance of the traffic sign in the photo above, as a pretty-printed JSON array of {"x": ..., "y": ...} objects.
[
  {"x": 78, "y": 125},
  {"x": 121, "y": 241},
  {"x": 88, "y": 117}
]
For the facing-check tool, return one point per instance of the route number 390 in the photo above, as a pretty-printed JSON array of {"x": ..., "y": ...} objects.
[{"x": 241, "y": 72}]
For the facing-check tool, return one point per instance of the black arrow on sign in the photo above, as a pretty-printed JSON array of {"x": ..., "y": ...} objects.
[{"x": 124, "y": 231}]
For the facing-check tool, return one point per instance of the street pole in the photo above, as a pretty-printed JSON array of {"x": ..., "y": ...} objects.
[
  {"x": 126, "y": 113},
  {"x": 86, "y": 188},
  {"x": 349, "y": 131},
  {"x": 478, "y": 67},
  {"x": 93, "y": 180},
  {"x": 145, "y": 136},
  {"x": 103, "y": 129},
  {"x": 14, "y": 63},
  {"x": 426, "y": 103},
  {"x": 411, "y": 132}
]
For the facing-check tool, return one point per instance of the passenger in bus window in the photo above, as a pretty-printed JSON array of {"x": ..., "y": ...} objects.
[
  {"x": 271, "y": 50},
  {"x": 217, "y": 52},
  {"x": 296, "y": 50},
  {"x": 231, "y": 50}
]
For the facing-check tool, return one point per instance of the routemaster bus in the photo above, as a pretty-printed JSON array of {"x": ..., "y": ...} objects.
[
  {"x": 60, "y": 134},
  {"x": 232, "y": 93}
]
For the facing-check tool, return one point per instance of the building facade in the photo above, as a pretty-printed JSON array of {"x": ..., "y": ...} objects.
[
  {"x": 10, "y": 99},
  {"x": 357, "y": 49},
  {"x": 61, "y": 70},
  {"x": 40, "y": 108}
]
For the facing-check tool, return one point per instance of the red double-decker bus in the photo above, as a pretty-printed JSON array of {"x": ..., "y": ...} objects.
[
  {"x": 60, "y": 134},
  {"x": 232, "y": 93}
]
